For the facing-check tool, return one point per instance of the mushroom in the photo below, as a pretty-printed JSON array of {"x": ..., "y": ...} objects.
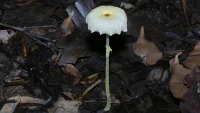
[{"x": 107, "y": 20}]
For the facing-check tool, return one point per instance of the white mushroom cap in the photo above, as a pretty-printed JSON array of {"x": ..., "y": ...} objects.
[{"x": 107, "y": 20}]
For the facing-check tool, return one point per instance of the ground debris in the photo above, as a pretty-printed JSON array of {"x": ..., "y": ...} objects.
[
  {"x": 5, "y": 35},
  {"x": 12, "y": 103},
  {"x": 48, "y": 55},
  {"x": 65, "y": 106}
]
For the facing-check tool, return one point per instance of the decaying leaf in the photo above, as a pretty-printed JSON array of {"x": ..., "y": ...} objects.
[
  {"x": 67, "y": 25},
  {"x": 193, "y": 60},
  {"x": 10, "y": 107},
  {"x": 84, "y": 6},
  {"x": 146, "y": 50},
  {"x": 5, "y": 35},
  {"x": 190, "y": 102},
  {"x": 78, "y": 19},
  {"x": 176, "y": 85},
  {"x": 65, "y": 106},
  {"x": 72, "y": 49},
  {"x": 70, "y": 69}
]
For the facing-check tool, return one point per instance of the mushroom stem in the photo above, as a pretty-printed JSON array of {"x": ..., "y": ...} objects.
[{"x": 107, "y": 87}]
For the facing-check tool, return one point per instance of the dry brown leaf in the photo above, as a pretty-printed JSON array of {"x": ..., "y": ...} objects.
[
  {"x": 70, "y": 69},
  {"x": 176, "y": 85},
  {"x": 5, "y": 35},
  {"x": 67, "y": 26},
  {"x": 193, "y": 60},
  {"x": 146, "y": 50}
]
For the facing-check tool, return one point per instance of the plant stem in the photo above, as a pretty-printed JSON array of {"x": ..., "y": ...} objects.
[{"x": 107, "y": 87}]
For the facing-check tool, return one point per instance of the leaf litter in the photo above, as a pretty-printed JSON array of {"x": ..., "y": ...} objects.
[{"x": 48, "y": 43}]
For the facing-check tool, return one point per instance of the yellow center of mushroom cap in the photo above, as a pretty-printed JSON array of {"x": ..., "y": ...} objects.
[{"x": 106, "y": 14}]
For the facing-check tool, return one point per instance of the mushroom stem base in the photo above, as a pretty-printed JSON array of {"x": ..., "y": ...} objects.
[{"x": 107, "y": 87}]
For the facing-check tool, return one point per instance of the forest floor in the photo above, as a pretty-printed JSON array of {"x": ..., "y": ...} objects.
[{"x": 51, "y": 63}]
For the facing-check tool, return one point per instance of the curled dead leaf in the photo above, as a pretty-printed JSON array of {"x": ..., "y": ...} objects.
[
  {"x": 67, "y": 26},
  {"x": 193, "y": 60},
  {"x": 176, "y": 84},
  {"x": 146, "y": 50}
]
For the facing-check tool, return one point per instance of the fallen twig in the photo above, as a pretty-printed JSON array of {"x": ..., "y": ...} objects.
[
  {"x": 31, "y": 35},
  {"x": 89, "y": 88}
]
